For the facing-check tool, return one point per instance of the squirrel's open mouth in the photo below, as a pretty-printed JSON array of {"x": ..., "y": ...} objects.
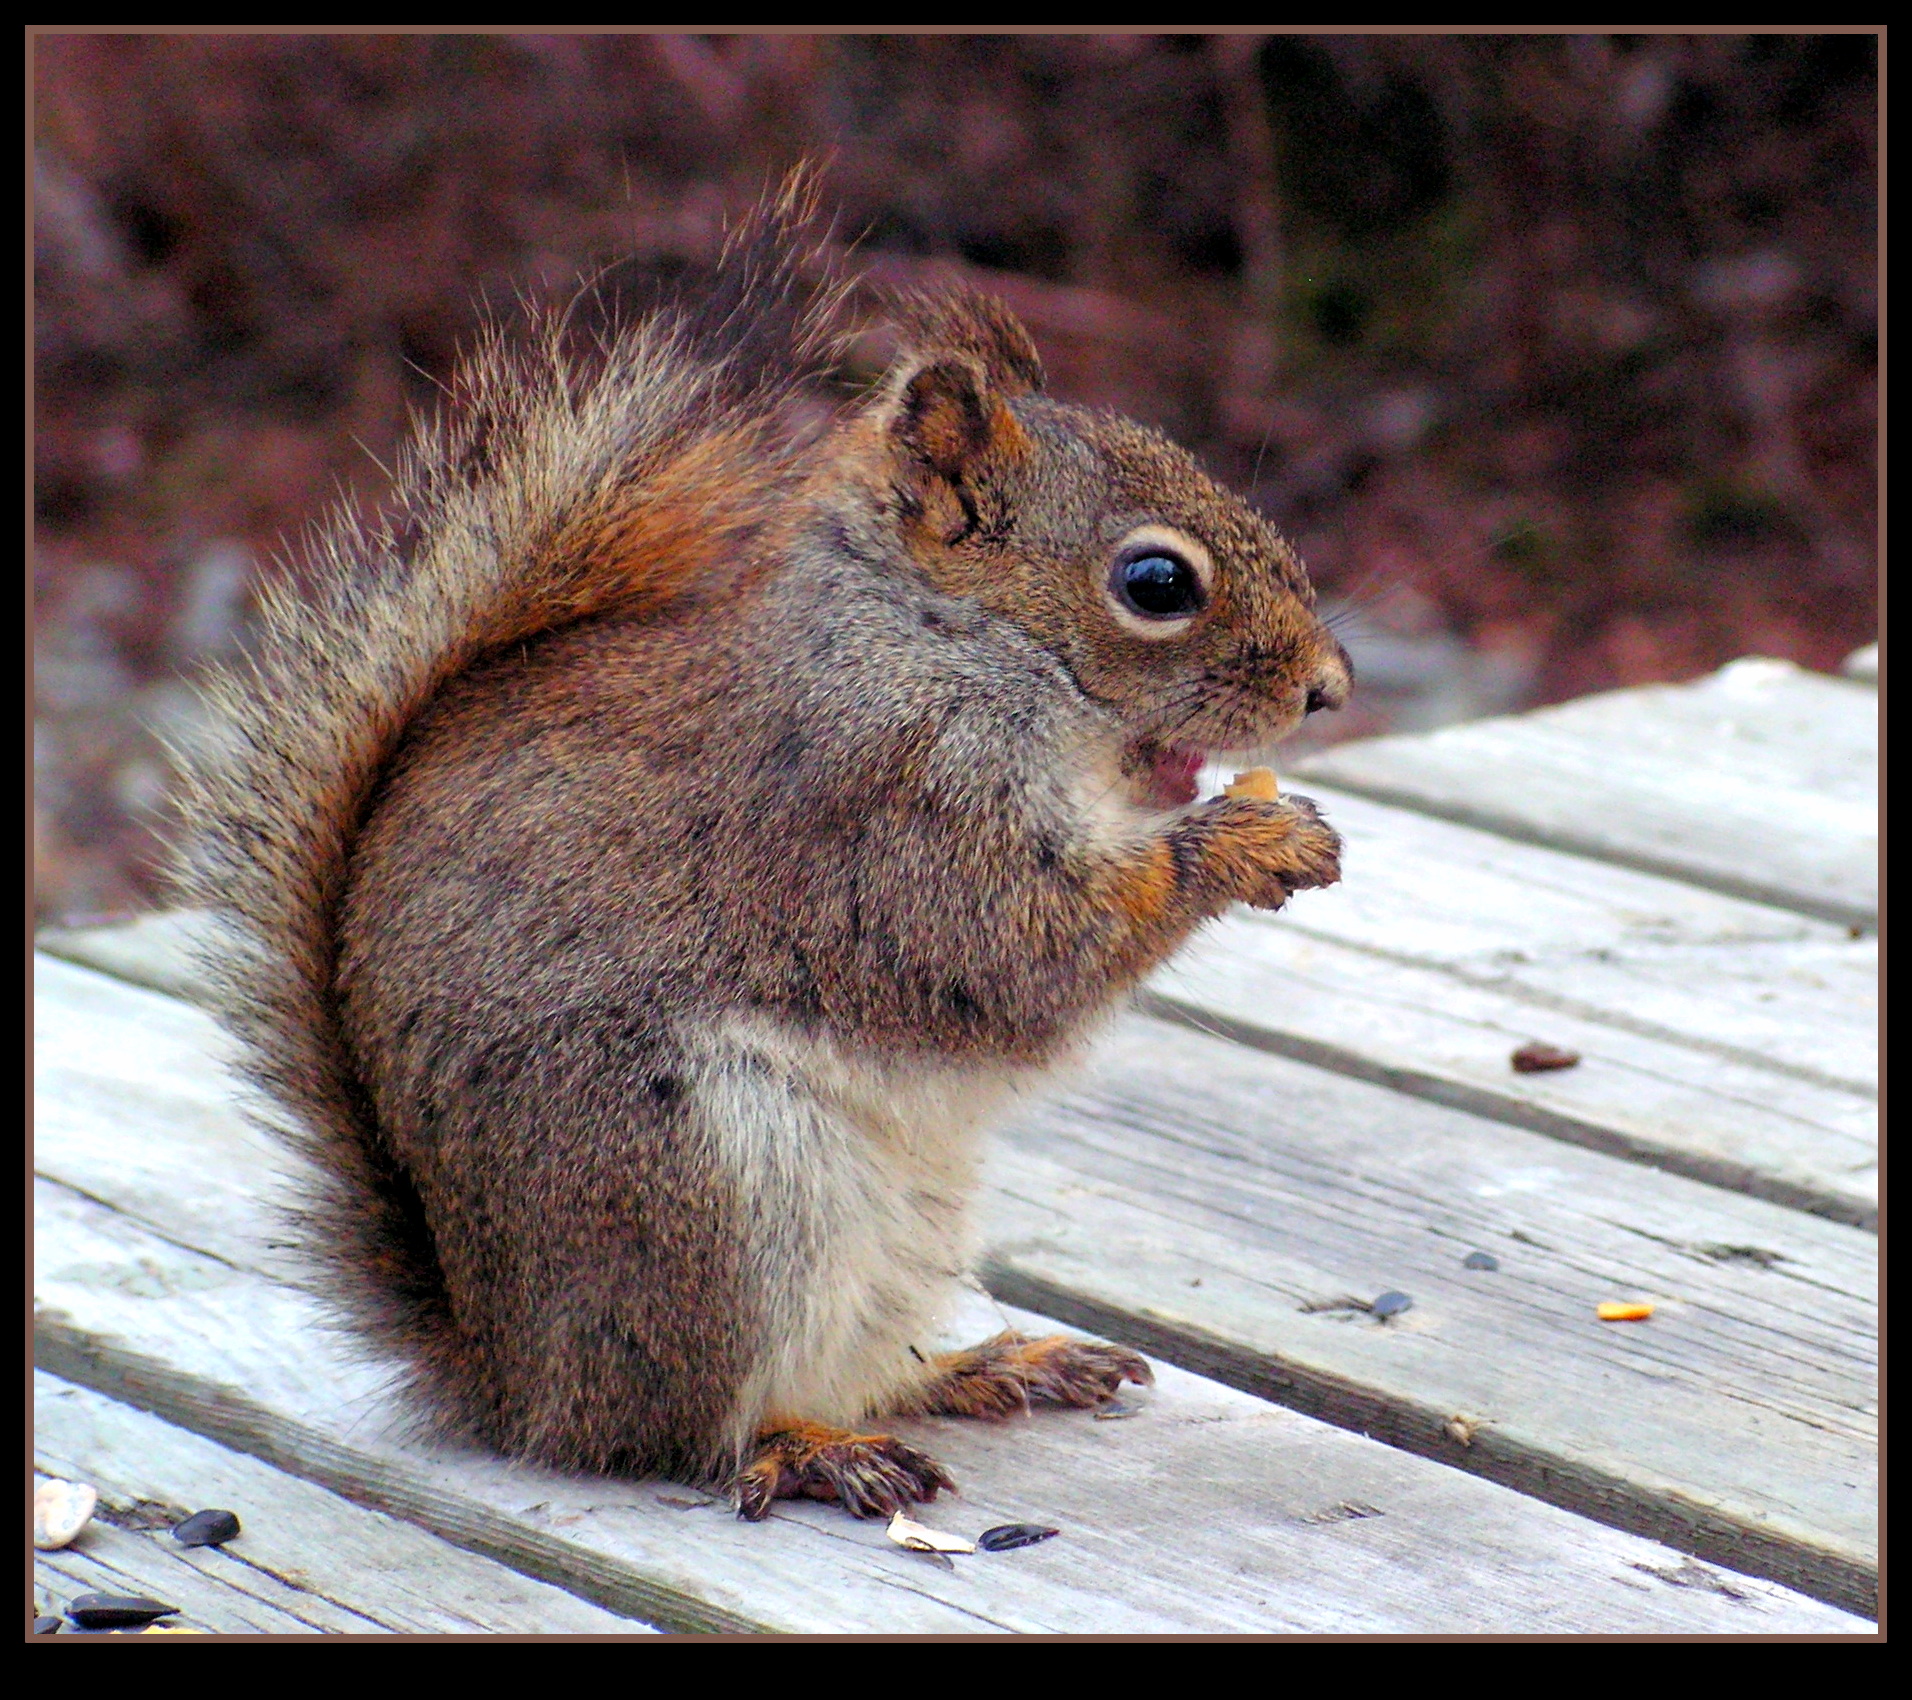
[{"x": 1167, "y": 773}]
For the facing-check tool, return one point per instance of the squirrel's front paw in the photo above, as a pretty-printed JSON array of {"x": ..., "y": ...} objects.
[{"x": 1262, "y": 853}]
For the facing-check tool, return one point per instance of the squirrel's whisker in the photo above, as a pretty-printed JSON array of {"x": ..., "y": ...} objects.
[{"x": 597, "y": 819}]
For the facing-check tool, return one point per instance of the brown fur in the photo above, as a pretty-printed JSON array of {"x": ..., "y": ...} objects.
[
  {"x": 869, "y": 1475},
  {"x": 1012, "y": 1372},
  {"x": 656, "y": 720}
]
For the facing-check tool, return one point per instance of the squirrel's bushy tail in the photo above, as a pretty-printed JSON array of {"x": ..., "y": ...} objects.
[{"x": 569, "y": 477}]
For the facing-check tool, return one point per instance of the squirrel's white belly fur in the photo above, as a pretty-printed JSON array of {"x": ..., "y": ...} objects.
[
  {"x": 854, "y": 1177},
  {"x": 471, "y": 751}
]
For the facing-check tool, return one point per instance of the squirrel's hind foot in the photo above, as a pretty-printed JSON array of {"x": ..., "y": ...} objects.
[
  {"x": 1013, "y": 1372},
  {"x": 869, "y": 1475}
]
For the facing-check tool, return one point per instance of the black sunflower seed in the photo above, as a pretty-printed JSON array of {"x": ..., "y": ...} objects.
[
  {"x": 207, "y": 1529},
  {"x": 1391, "y": 1304},
  {"x": 1005, "y": 1537},
  {"x": 117, "y": 1611},
  {"x": 46, "y": 1626},
  {"x": 1480, "y": 1260}
]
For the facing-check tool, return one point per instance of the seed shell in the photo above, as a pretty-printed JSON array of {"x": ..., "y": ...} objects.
[
  {"x": 207, "y": 1529},
  {"x": 1480, "y": 1260},
  {"x": 60, "y": 1511},
  {"x": 1391, "y": 1303},
  {"x": 1006, "y": 1537},
  {"x": 920, "y": 1537},
  {"x": 117, "y": 1611},
  {"x": 1538, "y": 1058}
]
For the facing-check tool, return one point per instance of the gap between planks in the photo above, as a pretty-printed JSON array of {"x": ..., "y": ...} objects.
[
  {"x": 1197, "y": 1203},
  {"x": 1458, "y": 946},
  {"x": 306, "y": 1560},
  {"x": 1209, "y": 1511},
  {"x": 1760, "y": 781},
  {"x": 199, "y": 1175}
]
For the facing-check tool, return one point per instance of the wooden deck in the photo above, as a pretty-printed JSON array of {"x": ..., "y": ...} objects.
[{"x": 1306, "y": 1111}]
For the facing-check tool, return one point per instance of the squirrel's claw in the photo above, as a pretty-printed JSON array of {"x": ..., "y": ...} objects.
[
  {"x": 869, "y": 1475},
  {"x": 1012, "y": 1372},
  {"x": 1261, "y": 853}
]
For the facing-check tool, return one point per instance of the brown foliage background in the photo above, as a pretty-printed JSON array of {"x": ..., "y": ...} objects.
[{"x": 1555, "y": 355}]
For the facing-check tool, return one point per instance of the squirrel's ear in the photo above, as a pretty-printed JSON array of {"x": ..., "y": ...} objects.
[
  {"x": 947, "y": 405},
  {"x": 950, "y": 424},
  {"x": 967, "y": 322}
]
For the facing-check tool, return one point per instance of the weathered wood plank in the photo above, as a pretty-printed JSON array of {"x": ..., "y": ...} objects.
[
  {"x": 113, "y": 1060},
  {"x": 1729, "y": 1041},
  {"x": 1770, "y": 987},
  {"x": 239, "y": 1602},
  {"x": 1732, "y": 1042},
  {"x": 1199, "y": 1200},
  {"x": 1760, "y": 781},
  {"x": 1711, "y": 1113},
  {"x": 306, "y": 1560},
  {"x": 149, "y": 950},
  {"x": 1210, "y": 1511},
  {"x": 201, "y": 1188}
]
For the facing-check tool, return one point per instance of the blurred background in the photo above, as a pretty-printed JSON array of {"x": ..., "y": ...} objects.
[{"x": 1556, "y": 356}]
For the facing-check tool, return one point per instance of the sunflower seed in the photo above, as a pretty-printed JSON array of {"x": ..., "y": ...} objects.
[
  {"x": 116, "y": 1611},
  {"x": 207, "y": 1529},
  {"x": 1006, "y": 1537}
]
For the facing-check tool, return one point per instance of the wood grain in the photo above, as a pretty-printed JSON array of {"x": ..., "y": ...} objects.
[
  {"x": 305, "y": 1561},
  {"x": 1208, "y": 1511},
  {"x": 1760, "y": 781},
  {"x": 149, "y": 950},
  {"x": 146, "y": 1179},
  {"x": 1207, "y": 1204},
  {"x": 1732, "y": 1042},
  {"x": 1712, "y": 1112},
  {"x": 1764, "y": 985}
]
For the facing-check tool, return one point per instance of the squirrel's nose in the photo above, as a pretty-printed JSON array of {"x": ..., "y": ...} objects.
[{"x": 1331, "y": 683}]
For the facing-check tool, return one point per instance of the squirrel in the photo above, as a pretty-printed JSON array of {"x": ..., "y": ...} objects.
[{"x": 653, "y": 849}]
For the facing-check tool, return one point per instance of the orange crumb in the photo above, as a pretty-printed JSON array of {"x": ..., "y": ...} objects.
[
  {"x": 1615, "y": 1311},
  {"x": 1257, "y": 782}
]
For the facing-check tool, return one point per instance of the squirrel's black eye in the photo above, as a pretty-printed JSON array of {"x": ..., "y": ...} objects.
[{"x": 1159, "y": 586}]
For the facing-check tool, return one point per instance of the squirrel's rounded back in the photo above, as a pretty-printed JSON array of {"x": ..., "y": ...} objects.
[{"x": 643, "y": 855}]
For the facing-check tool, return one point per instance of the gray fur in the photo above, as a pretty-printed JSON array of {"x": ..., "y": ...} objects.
[{"x": 653, "y": 858}]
